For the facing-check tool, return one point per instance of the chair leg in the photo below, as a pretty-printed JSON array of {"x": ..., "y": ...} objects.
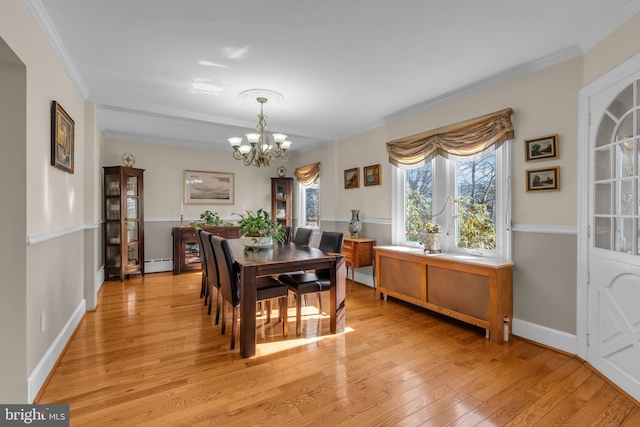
[
  {"x": 283, "y": 314},
  {"x": 298, "y": 314},
  {"x": 234, "y": 327},
  {"x": 202, "y": 285},
  {"x": 267, "y": 303},
  {"x": 218, "y": 303},
  {"x": 319, "y": 301},
  {"x": 223, "y": 327},
  {"x": 210, "y": 298}
]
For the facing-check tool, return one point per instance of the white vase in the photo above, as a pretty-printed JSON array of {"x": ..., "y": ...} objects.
[
  {"x": 258, "y": 241},
  {"x": 431, "y": 242}
]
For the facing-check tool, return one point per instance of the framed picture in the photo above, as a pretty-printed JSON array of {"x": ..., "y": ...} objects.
[
  {"x": 352, "y": 178},
  {"x": 372, "y": 175},
  {"x": 209, "y": 188},
  {"x": 62, "y": 140},
  {"x": 544, "y": 179},
  {"x": 545, "y": 147}
]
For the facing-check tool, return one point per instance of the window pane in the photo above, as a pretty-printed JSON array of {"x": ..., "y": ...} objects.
[
  {"x": 476, "y": 193},
  {"x": 311, "y": 205},
  {"x": 418, "y": 193}
]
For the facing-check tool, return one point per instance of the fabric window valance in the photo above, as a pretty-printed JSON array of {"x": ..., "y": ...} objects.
[
  {"x": 460, "y": 139},
  {"x": 308, "y": 174}
]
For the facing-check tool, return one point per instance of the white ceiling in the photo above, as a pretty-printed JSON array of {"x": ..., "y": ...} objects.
[{"x": 343, "y": 66}]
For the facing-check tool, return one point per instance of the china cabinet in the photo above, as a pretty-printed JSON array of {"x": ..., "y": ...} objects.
[
  {"x": 123, "y": 221},
  {"x": 281, "y": 200}
]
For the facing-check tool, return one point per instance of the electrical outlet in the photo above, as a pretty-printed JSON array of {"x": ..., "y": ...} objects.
[{"x": 43, "y": 321}]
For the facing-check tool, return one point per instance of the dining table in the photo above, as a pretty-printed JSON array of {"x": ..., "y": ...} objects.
[{"x": 279, "y": 259}]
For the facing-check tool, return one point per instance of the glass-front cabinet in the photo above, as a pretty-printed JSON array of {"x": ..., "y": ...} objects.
[
  {"x": 123, "y": 221},
  {"x": 281, "y": 203}
]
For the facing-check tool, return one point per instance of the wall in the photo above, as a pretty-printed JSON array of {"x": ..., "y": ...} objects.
[{"x": 54, "y": 206}]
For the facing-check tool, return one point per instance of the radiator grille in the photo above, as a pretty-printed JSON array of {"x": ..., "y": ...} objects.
[{"x": 465, "y": 293}]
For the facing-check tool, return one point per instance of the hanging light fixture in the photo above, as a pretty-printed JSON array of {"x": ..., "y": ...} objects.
[{"x": 260, "y": 151}]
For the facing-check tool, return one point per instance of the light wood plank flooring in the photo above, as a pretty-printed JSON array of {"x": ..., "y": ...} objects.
[{"x": 151, "y": 356}]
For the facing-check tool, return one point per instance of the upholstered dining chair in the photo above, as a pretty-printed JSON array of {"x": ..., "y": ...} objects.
[
  {"x": 303, "y": 236},
  {"x": 305, "y": 283},
  {"x": 267, "y": 288},
  {"x": 203, "y": 287},
  {"x": 213, "y": 279},
  {"x": 287, "y": 233}
]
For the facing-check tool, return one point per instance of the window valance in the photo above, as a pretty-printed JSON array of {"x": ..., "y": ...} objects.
[
  {"x": 308, "y": 174},
  {"x": 460, "y": 139}
]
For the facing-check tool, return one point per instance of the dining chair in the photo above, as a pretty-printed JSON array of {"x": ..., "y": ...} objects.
[
  {"x": 287, "y": 233},
  {"x": 266, "y": 288},
  {"x": 203, "y": 286},
  {"x": 305, "y": 283},
  {"x": 303, "y": 236},
  {"x": 213, "y": 279}
]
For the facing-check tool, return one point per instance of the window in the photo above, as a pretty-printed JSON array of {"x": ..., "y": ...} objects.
[
  {"x": 468, "y": 197},
  {"x": 310, "y": 205}
]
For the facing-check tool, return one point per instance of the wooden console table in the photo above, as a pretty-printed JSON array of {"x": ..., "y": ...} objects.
[
  {"x": 186, "y": 253},
  {"x": 475, "y": 290},
  {"x": 358, "y": 252}
]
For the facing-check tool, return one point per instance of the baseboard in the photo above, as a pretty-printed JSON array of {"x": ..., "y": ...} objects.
[
  {"x": 100, "y": 278},
  {"x": 362, "y": 278},
  {"x": 158, "y": 265},
  {"x": 48, "y": 361},
  {"x": 553, "y": 338}
]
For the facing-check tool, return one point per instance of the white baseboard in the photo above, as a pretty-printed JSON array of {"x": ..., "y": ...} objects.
[
  {"x": 158, "y": 265},
  {"x": 42, "y": 370},
  {"x": 100, "y": 278},
  {"x": 363, "y": 278},
  {"x": 550, "y": 337}
]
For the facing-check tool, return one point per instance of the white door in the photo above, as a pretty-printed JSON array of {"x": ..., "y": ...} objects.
[{"x": 613, "y": 323}]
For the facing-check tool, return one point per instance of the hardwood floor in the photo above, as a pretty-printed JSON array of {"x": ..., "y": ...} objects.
[{"x": 151, "y": 356}]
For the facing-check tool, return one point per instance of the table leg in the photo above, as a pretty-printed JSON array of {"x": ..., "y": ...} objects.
[
  {"x": 338, "y": 285},
  {"x": 248, "y": 311}
]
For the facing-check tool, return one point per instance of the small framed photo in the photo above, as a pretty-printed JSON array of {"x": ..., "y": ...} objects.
[
  {"x": 543, "y": 179},
  {"x": 352, "y": 178},
  {"x": 62, "y": 138},
  {"x": 371, "y": 175},
  {"x": 208, "y": 188},
  {"x": 543, "y": 148}
]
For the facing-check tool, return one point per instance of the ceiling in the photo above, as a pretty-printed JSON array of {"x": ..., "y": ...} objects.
[{"x": 171, "y": 71}]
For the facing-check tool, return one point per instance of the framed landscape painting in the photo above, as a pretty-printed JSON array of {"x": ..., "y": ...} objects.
[
  {"x": 352, "y": 178},
  {"x": 62, "y": 138},
  {"x": 372, "y": 175},
  {"x": 543, "y": 179},
  {"x": 208, "y": 188},
  {"x": 543, "y": 148}
]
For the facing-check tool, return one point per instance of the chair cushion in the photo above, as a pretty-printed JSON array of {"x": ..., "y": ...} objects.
[
  {"x": 305, "y": 283},
  {"x": 268, "y": 287}
]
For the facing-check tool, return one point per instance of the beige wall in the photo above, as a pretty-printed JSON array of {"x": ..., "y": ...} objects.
[{"x": 55, "y": 204}]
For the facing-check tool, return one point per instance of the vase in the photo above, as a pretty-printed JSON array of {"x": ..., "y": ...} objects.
[
  {"x": 431, "y": 242},
  {"x": 258, "y": 242},
  {"x": 355, "y": 225}
]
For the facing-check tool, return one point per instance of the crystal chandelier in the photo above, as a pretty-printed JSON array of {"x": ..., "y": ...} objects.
[{"x": 260, "y": 151}]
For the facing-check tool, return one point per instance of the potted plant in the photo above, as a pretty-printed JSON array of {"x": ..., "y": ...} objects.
[
  {"x": 260, "y": 229},
  {"x": 210, "y": 219}
]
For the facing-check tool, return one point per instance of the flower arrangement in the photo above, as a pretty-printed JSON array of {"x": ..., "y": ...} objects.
[{"x": 258, "y": 225}]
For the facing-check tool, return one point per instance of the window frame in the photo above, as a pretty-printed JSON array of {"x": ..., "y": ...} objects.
[{"x": 444, "y": 185}]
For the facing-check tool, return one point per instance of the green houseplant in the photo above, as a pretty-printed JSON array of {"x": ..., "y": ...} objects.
[
  {"x": 210, "y": 219},
  {"x": 261, "y": 229}
]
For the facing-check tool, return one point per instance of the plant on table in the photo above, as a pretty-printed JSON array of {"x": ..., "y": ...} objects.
[
  {"x": 258, "y": 225},
  {"x": 211, "y": 219}
]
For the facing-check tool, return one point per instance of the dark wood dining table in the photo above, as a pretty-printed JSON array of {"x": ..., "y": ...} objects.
[{"x": 280, "y": 259}]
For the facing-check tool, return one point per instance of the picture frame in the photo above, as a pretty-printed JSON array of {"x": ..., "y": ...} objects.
[
  {"x": 352, "y": 178},
  {"x": 542, "y": 148},
  {"x": 209, "y": 188},
  {"x": 543, "y": 179},
  {"x": 372, "y": 175},
  {"x": 62, "y": 138}
]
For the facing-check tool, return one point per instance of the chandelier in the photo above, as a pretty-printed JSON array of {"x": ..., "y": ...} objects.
[{"x": 260, "y": 151}]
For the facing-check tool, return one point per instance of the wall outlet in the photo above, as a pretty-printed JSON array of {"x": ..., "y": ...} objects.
[{"x": 43, "y": 321}]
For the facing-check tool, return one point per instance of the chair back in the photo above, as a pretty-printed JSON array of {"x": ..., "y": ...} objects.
[
  {"x": 226, "y": 270},
  {"x": 209, "y": 260},
  {"x": 199, "y": 240},
  {"x": 331, "y": 241},
  {"x": 303, "y": 236}
]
